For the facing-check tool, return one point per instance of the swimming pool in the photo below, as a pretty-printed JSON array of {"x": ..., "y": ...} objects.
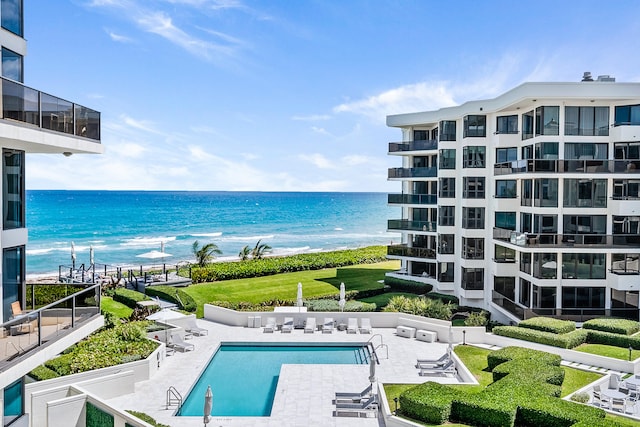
[{"x": 244, "y": 377}]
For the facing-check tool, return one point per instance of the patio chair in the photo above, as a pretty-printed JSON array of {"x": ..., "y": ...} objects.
[
  {"x": 633, "y": 391},
  {"x": 194, "y": 329},
  {"x": 352, "y": 325},
  {"x": 356, "y": 397},
  {"x": 287, "y": 326},
  {"x": 614, "y": 381},
  {"x": 447, "y": 369},
  {"x": 270, "y": 326},
  {"x": 178, "y": 343},
  {"x": 433, "y": 362},
  {"x": 365, "y": 325},
  {"x": 597, "y": 398},
  {"x": 367, "y": 407},
  {"x": 327, "y": 325},
  {"x": 310, "y": 325}
]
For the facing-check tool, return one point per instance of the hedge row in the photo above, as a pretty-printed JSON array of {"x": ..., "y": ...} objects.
[
  {"x": 616, "y": 340},
  {"x": 328, "y": 304},
  {"x": 129, "y": 297},
  {"x": 47, "y": 294},
  {"x": 443, "y": 297},
  {"x": 525, "y": 393},
  {"x": 175, "y": 295},
  {"x": 570, "y": 340},
  {"x": 332, "y": 305},
  {"x": 616, "y": 326},
  {"x": 275, "y": 265},
  {"x": 549, "y": 324},
  {"x": 407, "y": 285}
]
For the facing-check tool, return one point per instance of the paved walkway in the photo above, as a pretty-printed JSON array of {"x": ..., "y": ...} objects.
[{"x": 304, "y": 393}]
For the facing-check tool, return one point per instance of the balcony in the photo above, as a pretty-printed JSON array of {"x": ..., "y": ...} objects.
[
  {"x": 624, "y": 280},
  {"x": 25, "y": 334},
  {"x": 510, "y": 306},
  {"x": 44, "y": 111},
  {"x": 413, "y": 173},
  {"x": 402, "y": 147},
  {"x": 625, "y": 132},
  {"x": 412, "y": 199},
  {"x": 409, "y": 225},
  {"x": 545, "y": 240},
  {"x": 567, "y": 166},
  {"x": 413, "y": 252}
]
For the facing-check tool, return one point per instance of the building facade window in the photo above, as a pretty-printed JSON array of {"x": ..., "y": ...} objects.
[
  {"x": 583, "y": 297},
  {"x": 12, "y": 65},
  {"x": 527, "y": 192},
  {"x": 585, "y": 151},
  {"x": 447, "y": 187},
  {"x": 445, "y": 273},
  {"x": 434, "y": 134},
  {"x": 506, "y": 220},
  {"x": 13, "y": 402},
  {"x": 506, "y": 154},
  {"x": 474, "y": 157},
  {"x": 585, "y": 193},
  {"x": 11, "y": 17},
  {"x": 544, "y": 297},
  {"x": 585, "y": 224},
  {"x": 13, "y": 194},
  {"x": 505, "y": 286},
  {"x": 475, "y": 126},
  {"x": 525, "y": 293},
  {"x": 448, "y": 130},
  {"x": 627, "y": 115},
  {"x": 472, "y": 279},
  {"x": 525, "y": 262},
  {"x": 447, "y": 159},
  {"x": 546, "y": 150},
  {"x": 447, "y": 216},
  {"x": 420, "y": 135},
  {"x": 586, "y": 121},
  {"x": 548, "y": 120},
  {"x": 12, "y": 279},
  {"x": 507, "y": 124},
  {"x": 583, "y": 266},
  {"x": 472, "y": 248},
  {"x": 545, "y": 265},
  {"x": 446, "y": 244},
  {"x": 625, "y": 263},
  {"x": 472, "y": 218},
  {"x": 504, "y": 254},
  {"x": 527, "y": 126},
  {"x": 626, "y": 189},
  {"x": 545, "y": 192},
  {"x": 506, "y": 189},
  {"x": 473, "y": 187}
]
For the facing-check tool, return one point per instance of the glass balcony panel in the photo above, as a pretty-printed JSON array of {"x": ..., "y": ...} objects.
[
  {"x": 87, "y": 123},
  {"x": 57, "y": 114},
  {"x": 406, "y": 224},
  {"x": 425, "y": 145},
  {"x": 413, "y": 199},
  {"x": 413, "y": 172},
  {"x": 20, "y": 103}
]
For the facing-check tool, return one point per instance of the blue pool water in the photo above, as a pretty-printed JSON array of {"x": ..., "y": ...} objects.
[{"x": 244, "y": 377}]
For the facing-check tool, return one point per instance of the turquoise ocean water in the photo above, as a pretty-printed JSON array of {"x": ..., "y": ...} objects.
[{"x": 120, "y": 225}]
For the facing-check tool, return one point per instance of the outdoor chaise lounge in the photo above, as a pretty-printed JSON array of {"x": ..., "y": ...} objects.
[
  {"x": 356, "y": 397},
  {"x": 327, "y": 326},
  {"x": 194, "y": 329},
  {"x": 270, "y": 326},
  {"x": 447, "y": 368},
  {"x": 433, "y": 362},
  {"x": 287, "y": 326},
  {"x": 179, "y": 344},
  {"x": 369, "y": 406},
  {"x": 365, "y": 325},
  {"x": 310, "y": 325},
  {"x": 352, "y": 325}
]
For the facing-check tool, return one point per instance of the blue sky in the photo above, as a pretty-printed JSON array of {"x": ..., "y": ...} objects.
[{"x": 292, "y": 95}]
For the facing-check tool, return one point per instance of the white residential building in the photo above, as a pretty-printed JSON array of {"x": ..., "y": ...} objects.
[
  {"x": 526, "y": 204},
  {"x": 33, "y": 122}
]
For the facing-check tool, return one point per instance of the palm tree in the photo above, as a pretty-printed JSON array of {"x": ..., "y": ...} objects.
[
  {"x": 244, "y": 253},
  {"x": 205, "y": 254},
  {"x": 260, "y": 249}
]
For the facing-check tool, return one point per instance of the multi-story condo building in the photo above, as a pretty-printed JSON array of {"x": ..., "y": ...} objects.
[
  {"x": 526, "y": 204},
  {"x": 32, "y": 121}
]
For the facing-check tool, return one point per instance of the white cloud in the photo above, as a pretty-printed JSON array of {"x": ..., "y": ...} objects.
[
  {"x": 139, "y": 124},
  {"x": 130, "y": 149},
  {"x": 118, "y": 38},
  {"x": 312, "y": 118},
  {"x": 357, "y": 159},
  {"x": 318, "y": 160},
  {"x": 321, "y": 131}
]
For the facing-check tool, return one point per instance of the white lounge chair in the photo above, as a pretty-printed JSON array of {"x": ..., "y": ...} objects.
[
  {"x": 178, "y": 343},
  {"x": 310, "y": 325},
  {"x": 327, "y": 326},
  {"x": 287, "y": 326},
  {"x": 346, "y": 397},
  {"x": 446, "y": 369},
  {"x": 271, "y": 325},
  {"x": 365, "y": 325},
  {"x": 433, "y": 362},
  {"x": 193, "y": 328},
  {"x": 352, "y": 325},
  {"x": 369, "y": 406}
]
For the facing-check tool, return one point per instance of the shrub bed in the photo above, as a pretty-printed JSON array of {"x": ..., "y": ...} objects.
[
  {"x": 421, "y": 306},
  {"x": 548, "y": 324},
  {"x": 615, "y": 326},
  {"x": 570, "y": 340},
  {"x": 175, "y": 295},
  {"x": 275, "y": 265},
  {"x": 507, "y": 354},
  {"x": 47, "y": 294},
  {"x": 616, "y": 340},
  {"x": 429, "y": 402},
  {"x": 401, "y": 285},
  {"x": 129, "y": 297},
  {"x": 443, "y": 297},
  {"x": 332, "y": 305}
]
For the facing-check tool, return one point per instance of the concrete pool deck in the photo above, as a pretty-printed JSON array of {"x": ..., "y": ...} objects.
[{"x": 304, "y": 393}]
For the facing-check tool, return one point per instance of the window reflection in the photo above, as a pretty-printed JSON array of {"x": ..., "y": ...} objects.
[
  {"x": 11, "y": 65},
  {"x": 11, "y": 16}
]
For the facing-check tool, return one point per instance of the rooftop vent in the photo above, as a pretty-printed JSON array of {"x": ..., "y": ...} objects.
[
  {"x": 606, "y": 78},
  {"x": 586, "y": 76}
]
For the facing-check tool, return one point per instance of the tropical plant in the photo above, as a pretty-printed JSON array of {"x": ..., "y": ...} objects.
[
  {"x": 244, "y": 253},
  {"x": 205, "y": 254},
  {"x": 260, "y": 250}
]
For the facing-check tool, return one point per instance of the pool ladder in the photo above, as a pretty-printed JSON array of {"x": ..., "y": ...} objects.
[
  {"x": 173, "y": 397},
  {"x": 380, "y": 346}
]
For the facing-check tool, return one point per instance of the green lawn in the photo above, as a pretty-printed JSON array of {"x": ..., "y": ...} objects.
[
  {"x": 119, "y": 309},
  {"x": 285, "y": 286},
  {"x": 608, "y": 351}
]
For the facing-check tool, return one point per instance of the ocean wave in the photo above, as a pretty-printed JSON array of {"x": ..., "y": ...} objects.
[
  {"x": 40, "y": 251},
  {"x": 216, "y": 234},
  {"x": 67, "y": 249},
  {"x": 247, "y": 238},
  {"x": 338, "y": 229},
  {"x": 147, "y": 241},
  {"x": 290, "y": 251}
]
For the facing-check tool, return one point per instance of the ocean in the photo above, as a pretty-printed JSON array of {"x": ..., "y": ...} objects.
[{"x": 122, "y": 225}]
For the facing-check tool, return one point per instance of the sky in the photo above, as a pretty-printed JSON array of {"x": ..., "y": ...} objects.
[{"x": 292, "y": 95}]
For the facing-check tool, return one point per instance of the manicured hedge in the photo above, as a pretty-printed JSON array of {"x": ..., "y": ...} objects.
[
  {"x": 616, "y": 340},
  {"x": 47, "y": 294},
  {"x": 175, "y": 295},
  {"x": 548, "y": 324},
  {"x": 332, "y": 305},
  {"x": 507, "y": 354},
  {"x": 429, "y": 402},
  {"x": 615, "y": 326},
  {"x": 42, "y": 373},
  {"x": 146, "y": 418},
  {"x": 570, "y": 340},
  {"x": 129, "y": 297},
  {"x": 443, "y": 297},
  {"x": 275, "y": 265},
  {"x": 401, "y": 285}
]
